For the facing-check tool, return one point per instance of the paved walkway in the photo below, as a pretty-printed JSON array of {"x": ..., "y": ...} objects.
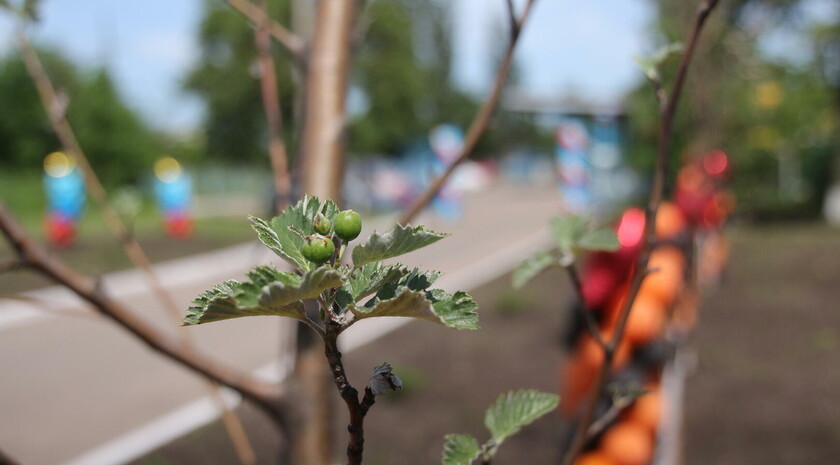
[{"x": 72, "y": 383}]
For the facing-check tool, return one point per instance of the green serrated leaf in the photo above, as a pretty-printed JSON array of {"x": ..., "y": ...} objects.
[
  {"x": 407, "y": 303},
  {"x": 600, "y": 239},
  {"x": 567, "y": 230},
  {"x": 457, "y": 310},
  {"x": 398, "y": 241},
  {"x": 515, "y": 410},
  {"x": 234, "y": 299},
  {"x": 285, "y": 234},
  {"x": 311, "y": 285},
  {"x": 530, "y": 268},
  {"x": 410, "y": 297},
  {"x": 371, "y": 277},
  {"x": 459, "y": 449}
]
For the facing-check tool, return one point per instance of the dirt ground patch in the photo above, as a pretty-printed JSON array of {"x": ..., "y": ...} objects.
[{"x": 765, "y": 390}]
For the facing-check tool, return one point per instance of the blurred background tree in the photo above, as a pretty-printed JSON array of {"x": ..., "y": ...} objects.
[
  {"x": 226, "y": 79},
  {"x": 779, "y": 124},
  {"x": 403, "y": 72},
  {"x": 114, "y": 137},
  {"x": 401, "y": 81}
]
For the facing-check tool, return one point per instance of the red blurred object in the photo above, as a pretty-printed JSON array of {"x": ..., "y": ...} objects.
[
  {"x": 179, "y": 225},
  {"x": 631, "y": 228},
  {"x": 601, "y": 276},
  {"x": 61, "y": 230},
  {"x": 716, "y": 164}
]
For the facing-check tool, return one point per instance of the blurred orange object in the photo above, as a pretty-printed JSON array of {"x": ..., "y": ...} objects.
[
  {"x": 646, "y": 320},
  {"x": 665, "y": 283},
  {"x": 670, "y": 221},
  {"x": 595, "y": 458},
  {"x": 578, "y": 375},
  {"x": 628, "y": 443},
  {"x": 647, "y": 410},
  {"x": 576, "y": 378}
]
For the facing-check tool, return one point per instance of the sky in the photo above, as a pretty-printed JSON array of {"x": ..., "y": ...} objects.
[{"x": 587, "y": 47}]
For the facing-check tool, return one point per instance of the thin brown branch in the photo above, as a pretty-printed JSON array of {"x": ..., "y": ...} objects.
[
  {"x": 599, "y": 425},
  {"x": 641, "y": 270},
  {"x": 10, "y": 265},
  {"x": 658, "y": 92},
  {"x": 355, "y": 407},
  {"x": 271, "y": 105},
  {"x": 511, "y": 13},
  {"x": 6, "y": 460},
  {"x": 288, "y": 39},
  {"x": 586, "y": 313},
  {"x": 480, "y": 122},
  {"x": 265, "y": 395},
  {"x": 56, "y": 111}
]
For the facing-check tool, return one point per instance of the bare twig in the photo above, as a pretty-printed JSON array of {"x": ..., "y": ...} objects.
[
  {"x": 480, "y": 122},
  {"x": 586, "y": 313},
  {"x": 6, "y": 460},
  {"x": 10, "y": 265},
  {"x": 355, "y": 407},
  {"x": 264, "y": 395},
  {"x": 641, "y": 271},
  {"x": 289, "y": 40},
  {"x": 601, "y": 423},
  {"x": 55, "y": 108},
  {"x": 658, "y": 91},
  {"x": 271, "y": 104}
]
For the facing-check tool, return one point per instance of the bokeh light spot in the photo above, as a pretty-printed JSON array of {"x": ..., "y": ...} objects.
[
  {"x": 58, "y": 164},
  {"x": 167, "y": 169}
]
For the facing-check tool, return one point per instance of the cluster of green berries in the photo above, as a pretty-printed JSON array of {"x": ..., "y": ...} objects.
[{"x": 319, "y": 248}]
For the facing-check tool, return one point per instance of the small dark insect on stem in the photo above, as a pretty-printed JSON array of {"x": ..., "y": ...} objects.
[{"x": 641, "y": 271}]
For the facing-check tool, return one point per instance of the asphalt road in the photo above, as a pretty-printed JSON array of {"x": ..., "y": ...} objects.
[{"x": 72, "y": 382}]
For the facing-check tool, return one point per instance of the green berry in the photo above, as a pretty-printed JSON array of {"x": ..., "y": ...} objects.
[
  {"x": 348, "y": 225},
  {"x": 322, "y": 224},
  {"x": 318, "y": 249}
]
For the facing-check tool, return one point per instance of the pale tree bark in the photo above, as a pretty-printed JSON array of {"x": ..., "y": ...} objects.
[{"x": 324, "y": 120}]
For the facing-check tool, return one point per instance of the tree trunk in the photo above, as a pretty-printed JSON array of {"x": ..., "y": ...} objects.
[{"x": 323, "y": 174}]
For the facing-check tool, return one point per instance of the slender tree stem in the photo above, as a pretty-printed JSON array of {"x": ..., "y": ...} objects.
[
  {"x": 271, "y": 105},
  {"x": 480, "y": 122},
  {"x": 289, "y": 40},
  {"x": 6, "y": 460},
  {"x": 641, "y": 271},
  {"x": 321, "y": 154},
  {"x": 586, "y": 313},
  {"x": 355, "y": 407}
]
